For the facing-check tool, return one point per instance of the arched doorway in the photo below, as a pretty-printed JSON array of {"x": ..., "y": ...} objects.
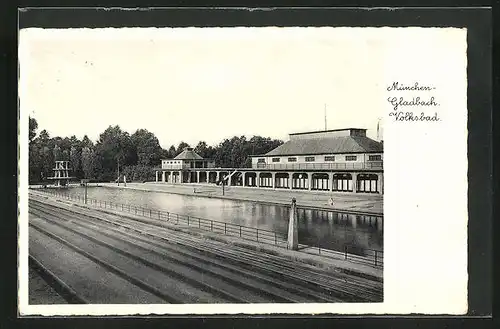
[
  {"x": 320, "y": 182},
  {"x": 265, "y": 179},
  {"x": 300, "y": 181},
  {"x": 250, "y": 179},
  {"x": 342, "y": 182},
  {"x": 367, "y": 183},
  {"x": 282, "y": 180}
]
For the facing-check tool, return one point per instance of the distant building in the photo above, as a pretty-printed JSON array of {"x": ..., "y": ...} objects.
[
  {"x": 188, "y": 159},
  {"x": 343, "y": 160}
]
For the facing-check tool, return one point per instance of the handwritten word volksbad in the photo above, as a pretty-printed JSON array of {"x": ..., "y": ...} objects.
[{"x": 409, "y": 116}]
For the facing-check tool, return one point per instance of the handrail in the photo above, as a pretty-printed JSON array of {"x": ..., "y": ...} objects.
[
  {"x": 368, "y": 165},
  {"x": 375, "y": 165},
  {"x": 230, "y": 229}
]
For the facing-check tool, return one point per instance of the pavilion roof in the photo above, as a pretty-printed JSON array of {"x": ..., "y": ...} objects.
[
  {"x": 328, "y": 145},
  {"x": 188, "y": 154}
]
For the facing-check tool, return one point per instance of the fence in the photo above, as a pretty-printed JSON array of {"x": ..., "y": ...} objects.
[
  {"x": 244, "y": 232},
  {"x": 375, "y": 165},
  {"x": 372, "y": 256},
  {"x": 230, "y": 229},
  {"x": 377, "y": 256}
]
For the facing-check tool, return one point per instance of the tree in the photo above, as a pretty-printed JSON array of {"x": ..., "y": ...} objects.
[
  {"x": 75, "y": 159},
  {"x": 229, "y": 152},
  {"x": 180, "y": 148},
  {"x": 147, "y": 147},
  {"x": 65, "y": 144},
  {"x": 172, "y": 152},
  {"x": 136, "y": 154},
  {"x": 210, "y": 152},
  {"x": 89, "y": 163},
  {"x": 86, "y": 142},
  {"x": 33, "y": 126},
  {"x": 57, "y": 153},
  {"x": 114, "y": 148},
  {"x": 65, "y": 155},
  {"x": 164, "y": 154},
  {"x": 35, "y": 164},
  {"x": 43, "y": 137},
  {"x": 234, "y": 152},
  {"x": 201, "y": 149},
  {"x": 139, "y": 173},
  {"x": 47, "y": 162}
]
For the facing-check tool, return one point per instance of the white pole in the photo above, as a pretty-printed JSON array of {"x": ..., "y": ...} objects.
[
  {"x": 325, "y": 119},
  {"x": 118, "y": 160},
  {"x": 293, "y": 233}
]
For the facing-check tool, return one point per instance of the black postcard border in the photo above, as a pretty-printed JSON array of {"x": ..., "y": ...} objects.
[{"x": 478, "y": 21}]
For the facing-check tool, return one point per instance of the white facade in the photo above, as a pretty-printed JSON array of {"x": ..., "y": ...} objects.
[
  {"x": 172, "y": 164},
  {"x": 317, "y": 158},
  {"x": 339, "y": 149}
]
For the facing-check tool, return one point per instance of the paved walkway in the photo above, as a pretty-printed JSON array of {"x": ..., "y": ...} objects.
[{"x": 349, "y": 202}]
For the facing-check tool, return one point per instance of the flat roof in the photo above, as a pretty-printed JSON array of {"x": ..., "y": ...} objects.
[{"x": 326, "y": 131}]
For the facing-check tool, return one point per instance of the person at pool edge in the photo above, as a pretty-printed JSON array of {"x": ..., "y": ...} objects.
[{"x": 330, "y": 201}]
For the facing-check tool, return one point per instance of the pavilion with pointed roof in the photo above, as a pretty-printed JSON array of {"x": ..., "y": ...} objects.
[{"x": 174, "y": 170}]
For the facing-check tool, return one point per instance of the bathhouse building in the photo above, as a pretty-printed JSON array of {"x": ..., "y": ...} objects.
[{"x": 341, "y": 160}]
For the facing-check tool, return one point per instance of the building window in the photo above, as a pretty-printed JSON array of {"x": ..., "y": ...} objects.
[
  {"x": 351, "y": 158},
  {"x": 309, "y": 159},
  {"x": 292, "y": 159},
  {"x": 374, "y": 158},
  {"x": 276, "y": 159},
  {"x": 261, "y": 160},
  {"x": 330, "y": 158}
]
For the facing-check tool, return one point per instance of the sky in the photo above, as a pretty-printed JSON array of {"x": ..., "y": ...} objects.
[{"x": 192, "y": 84}]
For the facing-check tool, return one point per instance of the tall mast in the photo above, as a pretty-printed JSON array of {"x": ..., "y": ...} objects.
[
  {"x": 378, "y": 129},
  {"x": 325, "y": 119}
]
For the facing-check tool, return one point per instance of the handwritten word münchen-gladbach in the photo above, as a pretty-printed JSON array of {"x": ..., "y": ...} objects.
[
  {"x": 415, "y": 101},
  {"x": 396, "y": 86}
]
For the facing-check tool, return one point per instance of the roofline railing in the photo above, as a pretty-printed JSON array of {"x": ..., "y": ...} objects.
[
  {"x": 371, "y": 165},
  {"x": 266, "y": 155},
  {"x": 374, "y": 165}
]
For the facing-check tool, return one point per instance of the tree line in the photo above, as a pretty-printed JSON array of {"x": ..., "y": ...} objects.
[{"x": 134, "y": 155}]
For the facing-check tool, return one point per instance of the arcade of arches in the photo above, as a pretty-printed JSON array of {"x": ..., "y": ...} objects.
[{"x": 312, "y": 181}]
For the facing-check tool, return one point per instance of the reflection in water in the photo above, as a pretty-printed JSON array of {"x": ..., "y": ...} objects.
[{"x": 330, "y": 230}]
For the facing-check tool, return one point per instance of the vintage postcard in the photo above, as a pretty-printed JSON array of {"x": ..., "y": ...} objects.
[{"x": 245, "y": 170}]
